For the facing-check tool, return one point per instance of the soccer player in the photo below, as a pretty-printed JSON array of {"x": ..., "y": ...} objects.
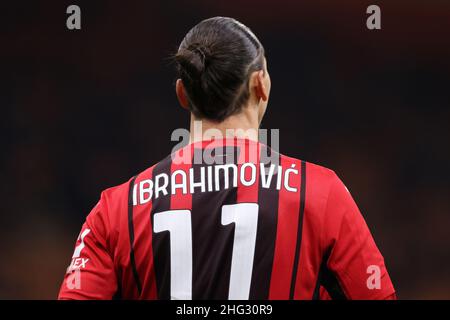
[{"x": 226, "y": 218}]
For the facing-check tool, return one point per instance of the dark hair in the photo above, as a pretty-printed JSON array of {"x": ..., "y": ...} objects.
[{"x": 214, "y": 61}]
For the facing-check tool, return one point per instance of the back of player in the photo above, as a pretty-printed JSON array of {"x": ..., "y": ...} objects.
[
  {"x": 215, "y": 231},
  {"x": 239, "y": 229},
  {"x": 226, "y": 218}
]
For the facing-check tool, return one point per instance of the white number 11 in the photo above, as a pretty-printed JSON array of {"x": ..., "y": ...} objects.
[{"x": 178, "y": 223}]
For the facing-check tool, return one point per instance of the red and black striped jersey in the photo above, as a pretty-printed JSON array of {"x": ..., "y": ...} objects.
[{"x": 216, "y": 220}]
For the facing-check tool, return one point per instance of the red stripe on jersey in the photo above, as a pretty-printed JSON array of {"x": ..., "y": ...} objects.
[
  {"x": 286, "y": 238},
  {"x": 249, "y": 153},
  {"x": 143, "y": 247},
  {"x": 181, "y": 161}
]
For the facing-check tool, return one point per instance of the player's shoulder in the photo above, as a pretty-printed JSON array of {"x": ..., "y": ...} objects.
[
  {"x": 116, "y": 192},
  {"x": 320, "y": 183},
  {"x": 315, "y": 173},
  {"x": 115, "y": 202},
  {"x": 123, "y": 191}
]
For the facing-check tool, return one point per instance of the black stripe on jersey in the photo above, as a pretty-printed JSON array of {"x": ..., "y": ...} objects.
[
  {"x": 212, "y": 243},
  {"x": 265, "y": 237},
  {"x": 299, "y": 229},
  {"x": 131, "y": 232},
  {"x": 328, "y": 280},
  {"x": 316, "y": 293},
  {"x": 161, "y": 240}
]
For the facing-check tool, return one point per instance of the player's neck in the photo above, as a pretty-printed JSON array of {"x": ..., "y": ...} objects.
[{"x": 243, "y": 125}]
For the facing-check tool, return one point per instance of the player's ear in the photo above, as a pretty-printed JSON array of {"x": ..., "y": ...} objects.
[
  {"x": 181, "y": 94},
  {"x": 260, "y": 85}
]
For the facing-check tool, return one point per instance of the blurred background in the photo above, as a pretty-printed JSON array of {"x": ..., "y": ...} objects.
[{"x": 85, "y": 110}]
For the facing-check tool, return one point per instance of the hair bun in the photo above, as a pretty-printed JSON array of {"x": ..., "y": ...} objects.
[
  {"x": 215, "y": 61},
  {"x": 192, "y": 60}
]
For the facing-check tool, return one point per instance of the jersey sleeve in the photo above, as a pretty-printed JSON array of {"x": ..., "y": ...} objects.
[
  {"x": 91, "y": 274},
  {"x": 353, "y": 267}
]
